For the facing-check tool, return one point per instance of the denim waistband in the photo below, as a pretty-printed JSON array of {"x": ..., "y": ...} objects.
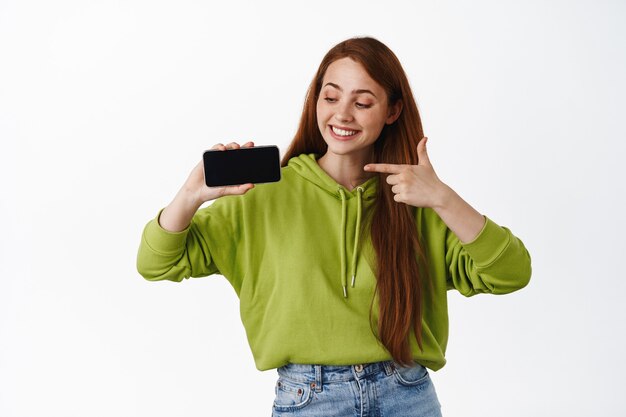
[{"x": 318, "y": 375}]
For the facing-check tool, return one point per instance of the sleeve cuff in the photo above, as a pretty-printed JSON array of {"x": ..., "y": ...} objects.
[
  {"x": 163, "y": 241},
  {"x": 490, "y": 243}
]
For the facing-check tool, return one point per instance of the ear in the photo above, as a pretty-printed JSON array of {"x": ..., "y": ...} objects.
[{"x": 394, "y": 112}]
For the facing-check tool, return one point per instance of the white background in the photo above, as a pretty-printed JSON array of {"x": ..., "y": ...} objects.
[{"x": 105, "y": 107}]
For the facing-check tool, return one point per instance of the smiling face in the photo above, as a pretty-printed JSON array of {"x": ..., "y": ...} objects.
[{"x": 352, "y": 109}]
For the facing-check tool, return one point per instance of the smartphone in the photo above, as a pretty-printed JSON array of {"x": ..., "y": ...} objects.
[{"x": 241, "y": 166}]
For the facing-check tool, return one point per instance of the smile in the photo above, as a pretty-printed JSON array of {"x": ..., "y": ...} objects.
[{"x": 343, "y": 133}]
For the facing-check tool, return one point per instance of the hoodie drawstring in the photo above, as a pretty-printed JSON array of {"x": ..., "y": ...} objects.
[{"x": 343, "y": 237}]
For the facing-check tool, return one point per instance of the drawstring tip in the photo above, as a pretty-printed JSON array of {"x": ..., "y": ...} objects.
[
  {"x": 345, "y": 294},
  {"x": 352, "y": 281}
]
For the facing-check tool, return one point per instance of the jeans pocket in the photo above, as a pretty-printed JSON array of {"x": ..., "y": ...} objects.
[
  {"x": 411, "y": 376},
  {"x": 291, "y": 395}
]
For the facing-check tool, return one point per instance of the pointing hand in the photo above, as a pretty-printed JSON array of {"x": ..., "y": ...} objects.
[{"x": 416, "y": 185}]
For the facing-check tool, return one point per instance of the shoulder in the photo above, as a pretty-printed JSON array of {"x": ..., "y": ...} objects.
[{"x": 267, "y": 190}]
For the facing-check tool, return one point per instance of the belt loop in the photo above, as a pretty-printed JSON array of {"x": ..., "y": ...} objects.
[
  {"x": 318, "y": 378},
  {"x": 388, "y": 367}
]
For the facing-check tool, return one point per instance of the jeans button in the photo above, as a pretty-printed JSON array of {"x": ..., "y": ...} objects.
[{"x": 358, "y": 368}]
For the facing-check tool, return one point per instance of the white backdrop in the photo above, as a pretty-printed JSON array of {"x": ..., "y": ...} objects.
[{"x": 105, "y": 107}]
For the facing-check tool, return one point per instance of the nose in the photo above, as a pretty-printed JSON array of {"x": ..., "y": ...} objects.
[{"x": 344, "y": 113}]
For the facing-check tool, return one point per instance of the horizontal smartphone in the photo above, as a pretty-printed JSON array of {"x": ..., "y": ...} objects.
[{"x": 241, "y": 166}]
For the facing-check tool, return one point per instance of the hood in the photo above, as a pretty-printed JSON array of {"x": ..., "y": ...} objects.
[{"x": 307, "y": 167}]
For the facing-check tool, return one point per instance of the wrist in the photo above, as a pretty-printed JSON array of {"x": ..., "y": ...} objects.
[
  {"x": 444, "y": 197},
  {"x": 189, "y": 199},
  {"x": 178, "y": 214}
]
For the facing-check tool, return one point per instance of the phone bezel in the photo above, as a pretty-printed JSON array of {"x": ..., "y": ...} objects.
[{"x": 277, "y": 173}]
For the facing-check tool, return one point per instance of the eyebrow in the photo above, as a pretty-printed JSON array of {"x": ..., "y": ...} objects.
[{"x": 361, "y": 91}]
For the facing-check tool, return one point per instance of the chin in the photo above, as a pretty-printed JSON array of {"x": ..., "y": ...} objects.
[{"x": 344, "y": 150}]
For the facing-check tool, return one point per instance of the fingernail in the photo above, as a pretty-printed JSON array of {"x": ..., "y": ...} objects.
[{"x": 366, "y": 167}]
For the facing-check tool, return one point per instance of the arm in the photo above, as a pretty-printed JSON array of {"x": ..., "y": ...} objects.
[
  {"x": 175, "y": 244},
  {"x": 480, "y": 255},
  {"x": 458, "y": 215},
  {"x": 495, "y": 262},
  {"x": 173, "y": 256},
  {"x": 419, "y": 186},
  {"x": 177, "y": 215}
]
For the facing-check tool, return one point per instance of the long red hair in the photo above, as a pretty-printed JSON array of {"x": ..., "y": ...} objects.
[{"x": 393, "y": 232}]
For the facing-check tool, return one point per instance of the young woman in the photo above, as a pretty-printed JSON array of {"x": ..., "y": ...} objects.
[{"x": 342, "y": 267}]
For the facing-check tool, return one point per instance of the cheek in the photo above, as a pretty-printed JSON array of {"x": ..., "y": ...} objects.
[
  {"x": 375, "y": 126},
  {"x": 377, "y": 121},
  {"x": 320, "y": 119},
  {"x": 322, "y": 113},
  {"x": 319, "y": 107}
]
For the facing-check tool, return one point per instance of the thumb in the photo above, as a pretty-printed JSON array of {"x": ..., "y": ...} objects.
[{"x": 422, "y": 155}]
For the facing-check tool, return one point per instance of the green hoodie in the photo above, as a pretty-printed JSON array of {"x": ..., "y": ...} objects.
[{"x": 297, "y": 254}]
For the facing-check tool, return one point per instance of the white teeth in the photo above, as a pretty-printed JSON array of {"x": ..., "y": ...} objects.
[{"x": 342, "y": 132}]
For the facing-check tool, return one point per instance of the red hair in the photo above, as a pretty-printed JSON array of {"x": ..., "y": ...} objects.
[{"x": 393, "y": 231}]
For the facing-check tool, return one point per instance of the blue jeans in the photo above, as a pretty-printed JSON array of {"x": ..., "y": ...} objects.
[{"x": 379, "y": 389}]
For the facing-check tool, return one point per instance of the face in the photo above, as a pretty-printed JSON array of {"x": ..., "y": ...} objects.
[{"x": 352, "y": 109}]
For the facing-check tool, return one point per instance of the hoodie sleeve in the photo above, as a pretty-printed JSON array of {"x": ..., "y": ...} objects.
[
  {"x": 495, "y": 262},
  {"x": 197, "y": 251}
]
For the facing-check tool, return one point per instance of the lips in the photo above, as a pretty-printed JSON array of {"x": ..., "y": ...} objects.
[{"x": 343, "y": 133}]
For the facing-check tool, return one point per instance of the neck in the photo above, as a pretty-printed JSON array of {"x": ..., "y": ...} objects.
[{"x": 347, "y": 170}]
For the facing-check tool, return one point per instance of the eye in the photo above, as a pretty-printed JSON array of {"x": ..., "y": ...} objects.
[
  {"x": 330, "y": 99},
  {"x": 363, "y": 105}
]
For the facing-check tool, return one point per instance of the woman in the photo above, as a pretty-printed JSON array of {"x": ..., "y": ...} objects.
[{"x": 342, "y": 267}]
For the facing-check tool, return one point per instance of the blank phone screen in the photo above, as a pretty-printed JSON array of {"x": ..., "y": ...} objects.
[{"x": 240, "y": 166}]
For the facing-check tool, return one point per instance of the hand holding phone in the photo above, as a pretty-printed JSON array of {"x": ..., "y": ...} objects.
[{"x": 194, "y": 192}]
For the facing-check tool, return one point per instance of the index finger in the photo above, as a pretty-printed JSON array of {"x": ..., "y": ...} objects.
[{"x": 386, "y": 168}]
